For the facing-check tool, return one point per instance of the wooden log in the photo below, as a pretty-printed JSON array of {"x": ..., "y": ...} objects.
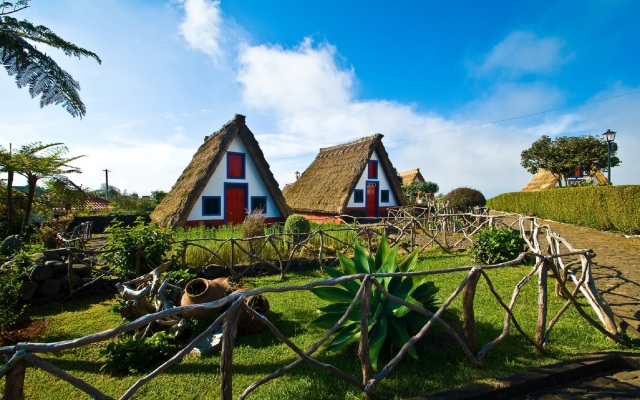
[
  {"x": 229, "y": 330},
  {"x": 468, "y": 314},
  {"x": 363, "y": 350},
  {"x": 14, "y": 381},
  {"x": 542, "y": 302}
]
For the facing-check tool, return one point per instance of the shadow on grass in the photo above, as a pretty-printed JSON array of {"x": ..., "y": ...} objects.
[{"x": 75, "y": 303}]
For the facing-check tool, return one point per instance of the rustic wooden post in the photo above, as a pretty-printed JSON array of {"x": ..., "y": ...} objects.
[
  {"x": 363, "y": 350},
  {"x": 70, "y": 258},
  {"x": 14, "y": 382},
  {"x": 469, "y": 319},
  {"x": 233, "y": 251},
  {"x": 229, "y": 330},
  {"x": 542, "y": 302},
  {"x": 137, "y": 262},
  {"x": 320, "y": 255},
  {"x": 185, "y": 244},
  {"x": 413, "y": 233}
]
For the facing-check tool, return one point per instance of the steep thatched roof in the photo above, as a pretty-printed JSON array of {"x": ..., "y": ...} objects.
[
  {"x": 174, "y": 209},
  {"x": 600, "y": 178},
  {"x": 408, "y": 177},
  {"x": 543, "y": 179},
  {"x": 326, "y": 185}
]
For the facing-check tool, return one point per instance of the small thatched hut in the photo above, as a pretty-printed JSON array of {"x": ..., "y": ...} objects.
[
  {"x": 227, "y": 177},
  {"x": 408, "y": 177},
  {"x": 355, "y": 179},
  {"x": 543, "y": 179}
]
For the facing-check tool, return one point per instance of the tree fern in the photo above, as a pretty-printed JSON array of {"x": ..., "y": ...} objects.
[{"x": 34, "y": 69}]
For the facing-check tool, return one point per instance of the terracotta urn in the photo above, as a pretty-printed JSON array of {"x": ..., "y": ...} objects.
[
  {"x": 200, "y": 291},
  {"x": 247, "y": 323}
]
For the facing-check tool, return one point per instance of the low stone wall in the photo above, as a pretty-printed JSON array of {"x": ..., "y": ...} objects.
[{"x": 51, "y": 276}]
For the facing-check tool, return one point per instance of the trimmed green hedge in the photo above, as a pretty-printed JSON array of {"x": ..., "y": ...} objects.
[{"x": 600, "y": 207}]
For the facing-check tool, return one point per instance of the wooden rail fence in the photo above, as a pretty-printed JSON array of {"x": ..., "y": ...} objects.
[{"x": 554, "y": 257}]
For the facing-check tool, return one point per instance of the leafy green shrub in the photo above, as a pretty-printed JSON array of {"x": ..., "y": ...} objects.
[
  {"x": 10, "y": 308},
  {"x": 390, "y": 324},
  {"x": 21, "y": 262},
  {"x": 299, "y": 226},
  {"x": 495, "y": 245},
  {"x": 130, "y": 355},
  {"x": 153, "y": 241},
  {"x": 464, "y": 198}
]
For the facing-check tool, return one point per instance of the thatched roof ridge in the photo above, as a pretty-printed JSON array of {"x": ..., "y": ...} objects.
[
  {"x": 408, "y": 177},
  {"x": 326, "y": 185},
  {"x": 174, "y": 209},
  {"x": 543, "y": 179}
]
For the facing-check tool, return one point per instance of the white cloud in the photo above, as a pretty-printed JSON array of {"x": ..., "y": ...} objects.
[
  {"x": 201, "y": 26},
  {"x": 522, "y": 53},
  {"x": 296, "y": 80},
  {"x": 311, "y": 100}
]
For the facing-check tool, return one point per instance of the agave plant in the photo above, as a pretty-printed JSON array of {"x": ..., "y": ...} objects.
[{"x": 390, "y": 324}]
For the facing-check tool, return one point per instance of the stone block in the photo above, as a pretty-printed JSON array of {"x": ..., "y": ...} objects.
[
  {"x": 81, "y": 270},
  {"x": 38, "y": 258},
  {"x": 75, "y": 280},
  {"x": 53, "y": 255},
  {"x": 57, "y": 266},
  {"x": 49, "y": 287},
  {"x": 40, "y": 272},
  {"x": 27, "y": 290}
]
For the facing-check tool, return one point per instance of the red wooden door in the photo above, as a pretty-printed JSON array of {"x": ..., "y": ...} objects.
[
  {"x": 372, "y": 199},
  {"x": 235, "y": 204}
]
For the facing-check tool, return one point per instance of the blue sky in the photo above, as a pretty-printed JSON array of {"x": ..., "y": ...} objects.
[{"x": 433, "y": 77}]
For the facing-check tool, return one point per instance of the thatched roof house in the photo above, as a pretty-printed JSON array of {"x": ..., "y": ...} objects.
[
  {"x": 227, "y": 177},
  {"x": 408, "y": 177},
  {"x": 543, "y": 179},
  {"x": 354, "y": 178}
]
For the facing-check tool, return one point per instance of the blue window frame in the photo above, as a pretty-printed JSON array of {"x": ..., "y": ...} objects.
[
  {"x": 372, "y": 169},
  {"x": 236, "y": 165},
  {"x": 358, "y": 196},
  {"x": 384, "y": 196},
  {"x": 211, "y": 206},
  {"x": 259, "y": 203}
]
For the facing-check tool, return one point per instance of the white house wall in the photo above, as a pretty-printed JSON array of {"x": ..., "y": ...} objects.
[
  {"x": 215, "y": 186},
  {"x": 383, "y": 184}
]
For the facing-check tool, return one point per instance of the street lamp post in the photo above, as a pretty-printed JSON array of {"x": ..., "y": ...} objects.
[{"x": 609, "y": 136}]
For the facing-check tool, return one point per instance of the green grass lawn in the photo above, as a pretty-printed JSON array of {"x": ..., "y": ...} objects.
[{"x": 441, "y": 363}]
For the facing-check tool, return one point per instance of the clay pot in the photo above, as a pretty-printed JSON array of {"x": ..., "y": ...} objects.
[
  {"x": 200, "y": 291},
  {"x": 247, "y": 324}
]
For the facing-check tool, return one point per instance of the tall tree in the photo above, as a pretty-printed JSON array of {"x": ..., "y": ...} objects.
[
  {"x": 563, "y": 154},
  {"x": 38, "y": 161},
  {"x": 35, "y": 69},
  {"x": 6, "y": 165}
]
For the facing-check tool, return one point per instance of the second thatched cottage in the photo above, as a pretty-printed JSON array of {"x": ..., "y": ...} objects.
[
  {"x": 227, "y": 178},
  {"x": 354, "y": 179}
]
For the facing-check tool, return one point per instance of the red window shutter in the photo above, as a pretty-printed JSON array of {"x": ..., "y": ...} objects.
[
  {"x": 373, "y": 170},
  {"x": 235, "y": 165}
]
